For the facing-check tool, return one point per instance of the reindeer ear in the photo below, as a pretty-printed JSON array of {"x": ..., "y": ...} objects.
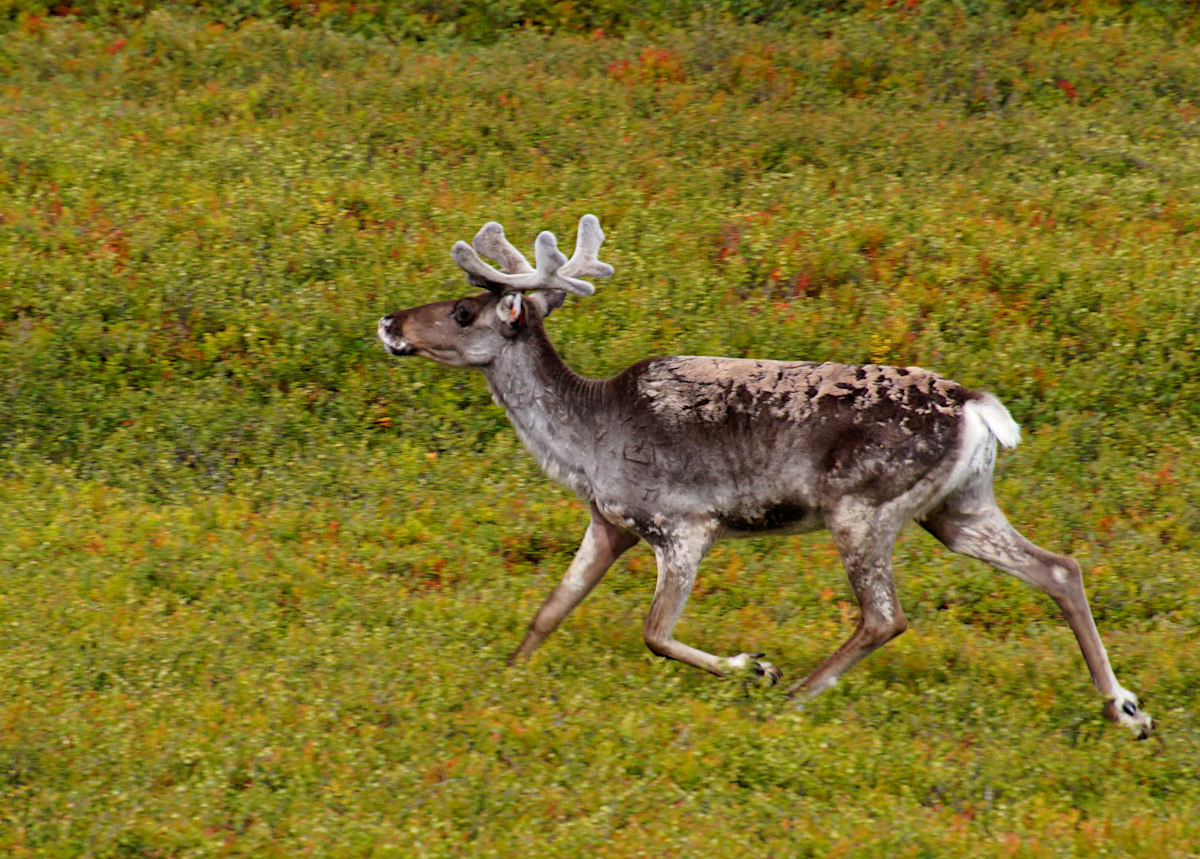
[{"x": 511, "y": 309}]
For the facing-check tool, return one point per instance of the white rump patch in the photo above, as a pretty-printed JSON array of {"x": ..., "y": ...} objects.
[{"x": 985, "y": 422}]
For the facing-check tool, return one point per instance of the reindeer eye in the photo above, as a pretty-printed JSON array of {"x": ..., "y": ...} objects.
[{"x": 462, "y": 315}]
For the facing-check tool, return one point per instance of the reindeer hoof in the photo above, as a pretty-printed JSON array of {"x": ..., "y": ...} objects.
[
  {"x": 768, "y": 672},
  {"x": 1125, "y": 711},
  {"x": 753, "y": 662}
]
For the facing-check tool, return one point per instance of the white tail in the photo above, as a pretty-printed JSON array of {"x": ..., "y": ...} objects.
[{"x": 998, "y": 420}]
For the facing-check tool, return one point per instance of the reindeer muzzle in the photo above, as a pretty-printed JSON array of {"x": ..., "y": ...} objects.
[{"x": 397, "y": 346}]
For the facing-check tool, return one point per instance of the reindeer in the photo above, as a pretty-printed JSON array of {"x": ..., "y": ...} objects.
[{"x": 683, "y": 451}]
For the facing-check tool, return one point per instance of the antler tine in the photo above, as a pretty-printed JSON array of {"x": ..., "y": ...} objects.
[
  {"x": 490, "y": 242},
  {"x": 583, "y": 262},
  {"x": 553, "y": 270},
  {"x": 552, "y": 261},
  {"x": 480, "y": 273}
]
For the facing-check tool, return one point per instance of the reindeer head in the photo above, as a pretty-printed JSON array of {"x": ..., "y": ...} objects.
[{"x": 470, "y": 332}]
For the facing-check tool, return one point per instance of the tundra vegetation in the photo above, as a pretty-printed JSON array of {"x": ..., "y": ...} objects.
[{"x": 258, "y": 580}]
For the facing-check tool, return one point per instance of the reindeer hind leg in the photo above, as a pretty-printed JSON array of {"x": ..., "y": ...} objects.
[
  {"x": 971, "y": 524},
  {"x": 864, "y": 537}
]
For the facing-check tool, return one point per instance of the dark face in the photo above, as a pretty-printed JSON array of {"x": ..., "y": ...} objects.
[{"x": 465, "y": 332}]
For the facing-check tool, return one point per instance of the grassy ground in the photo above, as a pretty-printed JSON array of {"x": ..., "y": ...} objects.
[{"x": 258, "y": 581}]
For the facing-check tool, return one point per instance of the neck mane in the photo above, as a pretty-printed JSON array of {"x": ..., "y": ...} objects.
[{"x": 552, "y": 408}]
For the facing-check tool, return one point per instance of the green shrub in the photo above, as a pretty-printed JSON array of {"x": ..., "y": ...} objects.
[{"x": 258, "y": 580}]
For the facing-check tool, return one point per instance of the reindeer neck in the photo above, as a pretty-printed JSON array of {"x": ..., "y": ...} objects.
[{"x": 552, "y": 408}]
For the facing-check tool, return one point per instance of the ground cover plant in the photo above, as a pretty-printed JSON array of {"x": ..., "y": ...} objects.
[{"x": 258, "y": 581}]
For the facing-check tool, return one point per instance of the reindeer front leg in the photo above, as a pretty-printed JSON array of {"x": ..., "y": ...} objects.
[
  {"x": 679, "y": 556},
  {"x": 602, "y": 544}
]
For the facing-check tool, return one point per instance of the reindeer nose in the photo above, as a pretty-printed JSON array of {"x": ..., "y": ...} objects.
[
  {"x": 391, "y": 322},
  {"x": 397, "y": 346}
]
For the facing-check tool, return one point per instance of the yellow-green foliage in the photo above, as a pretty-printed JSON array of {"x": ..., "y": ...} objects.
[
  {"x": 488, "y": 20},
  {"x": 258, "y": 581}
]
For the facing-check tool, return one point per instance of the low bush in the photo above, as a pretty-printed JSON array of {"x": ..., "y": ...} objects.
[{"x": 258, "y": 580}]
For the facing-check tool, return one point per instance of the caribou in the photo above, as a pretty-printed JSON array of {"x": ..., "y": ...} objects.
[{"x": 684, "y": 451}]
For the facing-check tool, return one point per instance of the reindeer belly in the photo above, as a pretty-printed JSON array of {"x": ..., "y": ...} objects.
[{"x": 778, "y": 518}]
